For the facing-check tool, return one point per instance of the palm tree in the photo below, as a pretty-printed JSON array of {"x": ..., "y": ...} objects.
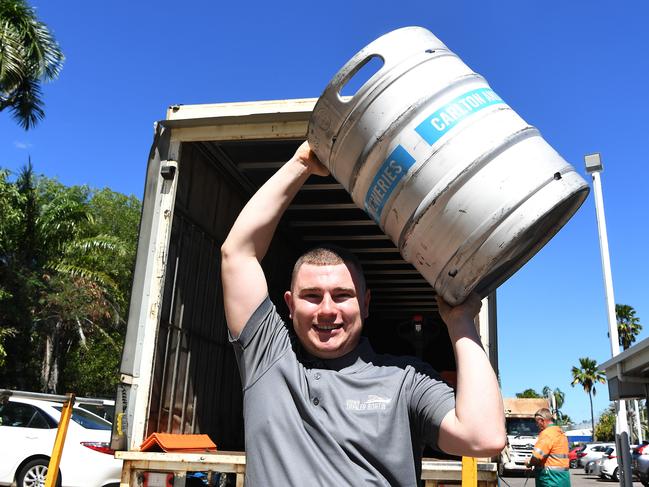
[
  {"x": 29, "y": 55},
  {"x": 587, "y": 374},
  {"x": 559, "y": 398},
  {"x": 628, "y": 327},
  {"x": 628, "y": 324}
]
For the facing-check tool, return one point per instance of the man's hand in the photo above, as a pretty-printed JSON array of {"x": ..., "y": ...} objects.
[
  {"x": 306, "y": 156},
  {"x": 463, "y": 312}
]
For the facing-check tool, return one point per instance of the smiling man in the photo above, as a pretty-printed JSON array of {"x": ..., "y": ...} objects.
[
  {"x": 320, "y": 406},
  {"x": 328, "y": 301}
]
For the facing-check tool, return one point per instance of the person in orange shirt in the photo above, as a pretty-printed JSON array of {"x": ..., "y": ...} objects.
[{"x": 550, "y": 454}]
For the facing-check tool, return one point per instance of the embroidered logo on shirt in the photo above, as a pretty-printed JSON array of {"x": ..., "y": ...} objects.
[{"x": 373, "y": 402}]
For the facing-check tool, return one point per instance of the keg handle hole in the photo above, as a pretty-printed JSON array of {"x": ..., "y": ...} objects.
[{"x": 360, "y": 75}]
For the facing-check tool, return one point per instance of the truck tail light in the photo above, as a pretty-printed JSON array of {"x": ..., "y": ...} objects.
[
  {"x": 581, "y": 454},
  {"x": 100, "y": 446},
  {"x": 157, "y": 479}
]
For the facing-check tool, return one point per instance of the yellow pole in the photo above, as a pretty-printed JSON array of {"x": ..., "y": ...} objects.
[
  {"x": 469, "y": 472},
  {"x": 59, "y": 441}
]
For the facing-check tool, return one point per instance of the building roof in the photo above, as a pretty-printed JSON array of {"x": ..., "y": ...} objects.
[{"x": 628, "y": 372}]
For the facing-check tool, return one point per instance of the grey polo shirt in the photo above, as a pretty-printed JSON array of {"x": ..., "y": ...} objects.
[{"x": 361, "y": 419}]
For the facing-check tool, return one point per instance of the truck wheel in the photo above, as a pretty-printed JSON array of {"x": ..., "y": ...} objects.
[
  {"x": 573, "y": 463},
  {"x": 33, "y": 474},
  {"x": 501, "y": 469}
]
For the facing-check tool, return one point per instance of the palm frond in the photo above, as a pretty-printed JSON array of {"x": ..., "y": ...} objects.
[
  {"x": 59, "y": 220},
  {"x": 48, "y": 56},
  {"x": 12, "y": 59},
  {"x": 7, "y": 332},
  {"x": 87, "y": 245},
  {"x": 29, "y": 54},
  {"x": 98, "y": 277},
  {"x": 26, "y": 103}
]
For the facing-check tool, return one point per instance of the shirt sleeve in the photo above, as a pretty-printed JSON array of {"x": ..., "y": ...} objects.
[
  {"x": 431, "y": 400},
  {"x": 263, "y": 340},
  {"x": 542, "y": 447}
]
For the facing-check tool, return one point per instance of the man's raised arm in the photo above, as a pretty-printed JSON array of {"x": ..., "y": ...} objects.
[
  {"x": 244, "y": 283},
  {"x": 476, "y": 427}
]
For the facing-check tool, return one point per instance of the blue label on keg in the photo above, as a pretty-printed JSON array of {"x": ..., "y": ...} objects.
[
  {"x": 386, "y": 179},
  {"x": 447, "y": 117}
]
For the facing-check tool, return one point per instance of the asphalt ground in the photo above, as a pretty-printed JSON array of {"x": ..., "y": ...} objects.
[{"x": 577, "y": 479}]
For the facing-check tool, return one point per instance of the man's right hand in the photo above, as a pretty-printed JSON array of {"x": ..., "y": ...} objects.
[{"x": 465, "y": 311}]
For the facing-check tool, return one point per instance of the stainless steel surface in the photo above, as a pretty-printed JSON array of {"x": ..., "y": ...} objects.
[{"x": 466, "y": 189}]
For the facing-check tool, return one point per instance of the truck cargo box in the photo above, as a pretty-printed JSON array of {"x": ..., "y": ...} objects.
[{"x": 178, "y": 372}]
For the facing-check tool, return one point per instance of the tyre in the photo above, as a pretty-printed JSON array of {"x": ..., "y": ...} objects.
[
  {"x": 501, "y": 469},
  {"x": 615, "y": 475},
  {"x": 573, "y": 463},
  {"x": 33, "y": 474}
]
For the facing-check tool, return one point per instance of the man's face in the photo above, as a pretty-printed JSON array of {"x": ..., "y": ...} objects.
[
  {"x": 327, "y": 306},
  {"x": 540, "y": 422}
]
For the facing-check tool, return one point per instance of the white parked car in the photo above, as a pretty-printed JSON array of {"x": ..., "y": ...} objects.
[
  {"x": 27, "y": 432},
  {"x": 592, "y": 452},
  {"x": 608, "y": 467}
]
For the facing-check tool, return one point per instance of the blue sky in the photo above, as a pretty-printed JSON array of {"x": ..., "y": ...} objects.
[{"x": 575, "y": 69}]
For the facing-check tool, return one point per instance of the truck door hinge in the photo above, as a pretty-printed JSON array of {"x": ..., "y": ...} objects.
[{"x": 168, "y": 169}]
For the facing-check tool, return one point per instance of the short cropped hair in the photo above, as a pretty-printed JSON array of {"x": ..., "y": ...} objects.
[
  {"x": 543, "y": 413},
  {"x": 329, "y": 254}
]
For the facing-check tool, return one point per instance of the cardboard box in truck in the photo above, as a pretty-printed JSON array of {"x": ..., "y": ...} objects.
[{"x": 178, "y": 373}]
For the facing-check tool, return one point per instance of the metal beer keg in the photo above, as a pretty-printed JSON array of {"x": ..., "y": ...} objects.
[{"x": 464, "y": 187}]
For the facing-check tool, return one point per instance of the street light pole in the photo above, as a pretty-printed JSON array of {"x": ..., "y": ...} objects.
[{"x": 594, "y": 167}]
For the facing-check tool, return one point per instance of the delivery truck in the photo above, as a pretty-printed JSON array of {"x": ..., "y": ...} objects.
[
  {"x": 178, "y": 373},
  {"x": 522, "y": 432}
]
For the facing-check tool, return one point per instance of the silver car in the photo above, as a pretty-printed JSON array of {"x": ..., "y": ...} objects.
[{"x": 640, "y": 462}]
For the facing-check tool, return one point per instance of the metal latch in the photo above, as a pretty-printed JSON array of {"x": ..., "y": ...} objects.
[{"x": 168, "y": 171}]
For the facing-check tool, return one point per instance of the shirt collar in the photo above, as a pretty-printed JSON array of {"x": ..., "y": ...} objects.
[{"x": 349, "y": 363}]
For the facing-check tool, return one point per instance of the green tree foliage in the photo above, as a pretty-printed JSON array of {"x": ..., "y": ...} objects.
[
  {"x": 29, "y": 55},
  {"x": 528, "y": 393},
  {"x": 65, "y": 274},
  {"x": 563, "y": 419},
  {"x": 9, "y": 217},
  {"x": 559, "y": 398},
  {"x": 628, "y": 324},
  {"x": 587, "y": 375},
  {"x": 605, "y": 428},
  {"x": 118, "y": 215},
  {"x": 92, "y": 370}
]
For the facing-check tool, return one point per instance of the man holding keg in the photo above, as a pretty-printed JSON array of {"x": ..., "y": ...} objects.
[
  {"x": 550, "y": 454},
  {"x": 320, "y": 406}
]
